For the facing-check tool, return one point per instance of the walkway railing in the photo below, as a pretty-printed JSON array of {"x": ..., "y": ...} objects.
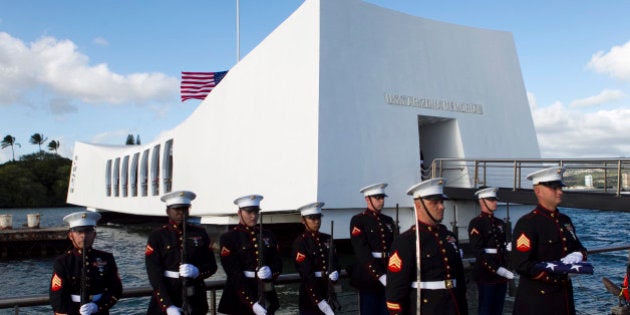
[
  {"x": 602, "y": 175},
  {"x": 213, "y": 285}
]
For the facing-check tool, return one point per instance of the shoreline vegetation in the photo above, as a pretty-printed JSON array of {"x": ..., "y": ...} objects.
[{"x": 37, "y": 180}]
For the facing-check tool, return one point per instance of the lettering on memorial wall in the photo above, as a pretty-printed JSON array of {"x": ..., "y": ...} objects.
[{"x": 444, "y": 105}]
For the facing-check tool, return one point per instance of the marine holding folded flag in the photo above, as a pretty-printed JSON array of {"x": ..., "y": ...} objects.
[
  {"x": 251, "y": 260},
  {"x": 441, "y": 280},
  {"x": 311, "y": 253},
  {"x": 546, "y": 250},
  {"x": 74, "y": 290},
  {"x": 488, "y": 245},
  {"x": 177, "y": 265}
]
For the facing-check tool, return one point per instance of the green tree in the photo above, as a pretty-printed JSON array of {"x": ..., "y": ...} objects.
[
  {"x": 38, "y": 138},
  {"x": 53, "y": 146},
  {"x": 9, "y": 140},
  {"x": 137, "y": 139},
  {"x": 129, "y": 140}
]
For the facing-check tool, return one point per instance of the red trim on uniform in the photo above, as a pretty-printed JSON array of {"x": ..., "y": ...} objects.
[
  {"x": 300, "y": 257},
  {"x": 395, "y": 263},
  {"x": 625, "y": 289},
  {"x": 393, "y": 306},
  {"x": 523, "y": 244},
  {"x": 225, "y": 251},
  {"x": 56, "y": 283},
  {"x": 148, "y": 250}
]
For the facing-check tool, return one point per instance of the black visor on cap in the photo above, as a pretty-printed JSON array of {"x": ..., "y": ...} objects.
[
  {"x": 553, "y": 184},
  {"x": 435, "y": 197},
  {"x": 86, "y": 228},
  {"x": 251, "y": 208},
  {"x": 379, "y": 196},
  {"x": 179, "y": 206},
  {"x": 313, "y": 216}
]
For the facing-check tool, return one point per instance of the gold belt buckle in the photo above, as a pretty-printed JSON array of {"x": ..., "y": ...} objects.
[{"x": 448, "y": 283}]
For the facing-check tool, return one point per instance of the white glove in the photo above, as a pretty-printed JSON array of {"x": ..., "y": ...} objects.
[
  {"x": 505, "y": 273},
  {"x": 572, "y": 258},
  {"x": 88, "y": 308},
  {"x": 508, "y": 246},
  {"x": 173, "y": 310},
  {"x": 264, "y": 272},
  {"x": 188, "y": 271},
  {"x": 258, "y": 309},
  {"x": 383, "y": 279},
  {"x": 334, "y": 276},
  {"x": 325, "y": 308}
]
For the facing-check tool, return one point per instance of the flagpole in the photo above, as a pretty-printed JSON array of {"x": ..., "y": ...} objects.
[{"x": 238, "y": 33}]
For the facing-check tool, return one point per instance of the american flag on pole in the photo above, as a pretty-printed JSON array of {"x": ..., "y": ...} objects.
[{"x": 199, "y": 84}]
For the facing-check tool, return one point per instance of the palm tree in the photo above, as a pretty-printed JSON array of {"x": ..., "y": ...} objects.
[
  {"x": 38, "y": 138},
  {"x": 129, "y": 140},
  {"x": 53, "y": 145},
  {"x": 9, "y": 140}
]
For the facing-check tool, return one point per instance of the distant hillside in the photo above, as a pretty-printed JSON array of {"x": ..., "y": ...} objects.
[{"x": 36, "y": 180}]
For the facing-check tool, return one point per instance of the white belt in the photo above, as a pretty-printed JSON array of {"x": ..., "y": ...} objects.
[
  {"x": 171, "y": 274},
  {"x": 318, "y": 274},
  {"x": 490, "y": 250},
  {"x": 77, "y": 298},
  {"x": 249, "y": 274},
  {"x": 435, "y": 285},
  {"x": 379, "y": 255}
]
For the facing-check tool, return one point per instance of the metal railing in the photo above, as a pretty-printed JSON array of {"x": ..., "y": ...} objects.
[
  {"x": 214, "y": 285},
  {"x": 606, "y": 175}
]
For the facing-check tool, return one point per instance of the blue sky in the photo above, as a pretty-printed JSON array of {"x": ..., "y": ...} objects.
[{"x": 79, "y": 70}]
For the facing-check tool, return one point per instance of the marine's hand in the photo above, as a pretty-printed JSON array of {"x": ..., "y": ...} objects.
[
  {"x": 173, "y": 310},
  {"x": 334, "y": 276},
  {"x": 88, "y": 308},
  {"x": 505, "y": 273},
  {"x": 258, "y": 309},
  {"x": 325, "y": 307},
  {"x": 188, "y": 271},
  {"x": 508, "y": 246},
  {"x": 383, "y": 279},
  {"x": 264, "y": 272},
  {"x": 572, "y": 258}
]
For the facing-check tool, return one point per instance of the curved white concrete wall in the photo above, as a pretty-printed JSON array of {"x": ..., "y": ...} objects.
[{"x": 330, "y": 102}]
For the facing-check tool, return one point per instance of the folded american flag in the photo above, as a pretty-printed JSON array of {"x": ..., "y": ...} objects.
[{"x": 561, "y": 268}]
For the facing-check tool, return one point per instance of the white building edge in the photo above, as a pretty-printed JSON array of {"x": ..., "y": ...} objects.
[{"x": 341, "y": 95}]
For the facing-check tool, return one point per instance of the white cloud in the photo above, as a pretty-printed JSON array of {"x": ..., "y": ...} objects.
[
  {"x": 615, "y": 62},
  {"x": 606, "y": 96},
  {"x": 117, "y": 136},
  {"x": 565, "y": 133},
  {"x": 57, "y": 67},
  {"x": 100, "y": 41},
  {"x": 531, "y": 98}
]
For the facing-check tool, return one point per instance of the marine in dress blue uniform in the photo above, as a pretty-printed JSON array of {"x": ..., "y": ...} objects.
[
  {"x": 240, "y": 260},
  {"x": 163, "y": 255},
  {"x": 371, "y": 235},
  {"x": 103, "y": 284},
  {"x": 488, "y": 245},
  {"x": 543, "y": 235},
  {"x": 311, "y": 256},
  {"x": 442, "y": 281}
]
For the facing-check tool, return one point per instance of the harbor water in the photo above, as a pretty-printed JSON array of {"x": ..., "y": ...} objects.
[{"x": 31, "y": 276}]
